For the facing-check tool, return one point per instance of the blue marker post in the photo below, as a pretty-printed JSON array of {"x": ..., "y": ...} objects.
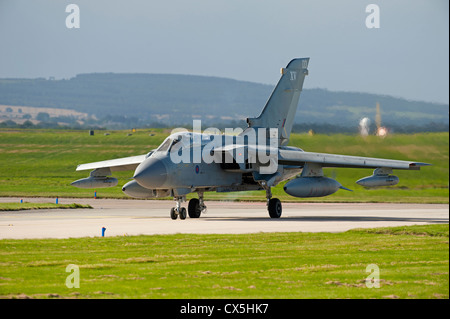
[
  {"x": 21, "y": 201},
  {"x": 103, "y": 231},
  {"x": 56, "y": 200},
  {"x": 95, "y": 195}
]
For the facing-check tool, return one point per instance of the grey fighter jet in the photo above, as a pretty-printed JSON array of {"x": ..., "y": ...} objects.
[{"x": 256, "y": 158}]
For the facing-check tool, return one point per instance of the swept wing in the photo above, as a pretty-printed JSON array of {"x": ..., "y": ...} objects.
[
  {"x": 297, "y": 157},
  {"x": 115, "y": 165}
]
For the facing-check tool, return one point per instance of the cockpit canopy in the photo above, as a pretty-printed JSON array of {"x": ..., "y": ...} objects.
[{"x": 186, "y": 139}]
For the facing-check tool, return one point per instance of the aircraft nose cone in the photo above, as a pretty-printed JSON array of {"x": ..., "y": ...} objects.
[{"x": 151, "y": 173}]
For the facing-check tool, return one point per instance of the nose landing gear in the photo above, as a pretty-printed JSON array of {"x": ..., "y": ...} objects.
[
  {"x": 178, "y": 210},
  {"x": 195, "y": 208}
]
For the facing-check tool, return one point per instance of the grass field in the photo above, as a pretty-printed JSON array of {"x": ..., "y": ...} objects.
[
  {"x": 413, "y": 262},
  {"x": 43, "y": 162}
]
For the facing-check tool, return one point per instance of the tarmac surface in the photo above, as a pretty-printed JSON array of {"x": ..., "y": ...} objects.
[{"x": 149, "y": 217}]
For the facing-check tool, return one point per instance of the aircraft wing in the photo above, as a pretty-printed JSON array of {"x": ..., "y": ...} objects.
[
  {"x": 295, "y": 157},
  {"x": 118, "y": 164}
]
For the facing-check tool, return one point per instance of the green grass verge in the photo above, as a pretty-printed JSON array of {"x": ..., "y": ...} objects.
[
  {"x": 43, "y": 162},
  {"x": 413, "y": 262},
  {"x": 27, "y": 206}
]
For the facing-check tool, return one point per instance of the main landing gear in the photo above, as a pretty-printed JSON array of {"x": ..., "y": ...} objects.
[
  {"x": 195, "y": 208},
  {"x": 273, "y": 205}
]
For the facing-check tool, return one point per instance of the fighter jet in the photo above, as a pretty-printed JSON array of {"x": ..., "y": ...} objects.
[{"x": 257, "y": 158}]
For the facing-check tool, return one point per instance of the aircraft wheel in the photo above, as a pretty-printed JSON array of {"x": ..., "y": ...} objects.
[
  {"x": 275, "y": 208},
  {"x": 183, "y": 213},
  {"x": 173, "y": 213},
  {"x": 194, "y": 210}
]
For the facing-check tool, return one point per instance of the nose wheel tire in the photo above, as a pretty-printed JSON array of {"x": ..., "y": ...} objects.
[
  {"x": 182, "y": 213},
  {"x": 275, "y": 208},
  {"x": 173, "y": 213}
]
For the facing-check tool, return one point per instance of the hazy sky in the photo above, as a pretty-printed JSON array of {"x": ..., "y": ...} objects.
[{"x": 408, "y": 56}]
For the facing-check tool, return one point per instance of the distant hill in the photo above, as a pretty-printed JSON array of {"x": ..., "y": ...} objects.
[{"x": 176, "y": 99}]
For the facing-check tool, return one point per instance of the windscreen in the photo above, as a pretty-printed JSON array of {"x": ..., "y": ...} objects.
[{"x": 164, "y": 146}]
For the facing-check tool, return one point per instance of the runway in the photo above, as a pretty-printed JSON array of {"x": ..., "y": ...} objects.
[{"x": 151, "y": 217}]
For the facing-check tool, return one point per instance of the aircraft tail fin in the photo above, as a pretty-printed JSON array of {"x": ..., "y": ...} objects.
[{"x": 280, "y": 109}]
